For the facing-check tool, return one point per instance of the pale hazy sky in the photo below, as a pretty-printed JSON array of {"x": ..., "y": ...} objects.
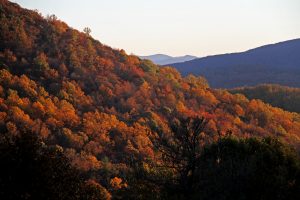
[{"x": 179, "y": 27}]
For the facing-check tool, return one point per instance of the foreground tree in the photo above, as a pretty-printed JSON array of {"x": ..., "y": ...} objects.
[
  {"x": 248, "y": 169},
  {"x": 181, "y": 151},
  {"x": 31, "y": 170},
  {"x": 229, "y": 168}
]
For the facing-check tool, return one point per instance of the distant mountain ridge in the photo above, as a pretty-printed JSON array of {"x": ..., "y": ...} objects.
[
  {"x": 162, "y": 59},
  {"x": 275, "y": 63}
]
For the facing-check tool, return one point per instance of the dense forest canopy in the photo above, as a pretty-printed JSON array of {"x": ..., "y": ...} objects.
[
  {"x": 105, "y": 109},
  {"x": 284, "y": 97},
  {"x": 32, "y": 170}
]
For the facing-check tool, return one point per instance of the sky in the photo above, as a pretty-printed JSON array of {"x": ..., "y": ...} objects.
[{"x": 179, "y": 27}]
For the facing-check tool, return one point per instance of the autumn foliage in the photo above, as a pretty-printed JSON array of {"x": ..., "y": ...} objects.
[{"x": 106, "y": 109}]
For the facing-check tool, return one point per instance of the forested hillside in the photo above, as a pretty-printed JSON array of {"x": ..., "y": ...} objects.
[
  {"x": 109, "y": 111},
  {"x": 284, "y": 97}
]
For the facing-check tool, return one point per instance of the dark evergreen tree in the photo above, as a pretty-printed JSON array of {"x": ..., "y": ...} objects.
[{"x": 248, "y": 169}]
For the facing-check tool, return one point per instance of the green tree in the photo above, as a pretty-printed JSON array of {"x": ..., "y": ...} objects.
[{"x": 248, "y": 169}]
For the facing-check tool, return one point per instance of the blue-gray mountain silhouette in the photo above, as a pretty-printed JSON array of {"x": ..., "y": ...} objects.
[
  {"x": 276, "y": 63},
  {"x": 162, "y": 59}
]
